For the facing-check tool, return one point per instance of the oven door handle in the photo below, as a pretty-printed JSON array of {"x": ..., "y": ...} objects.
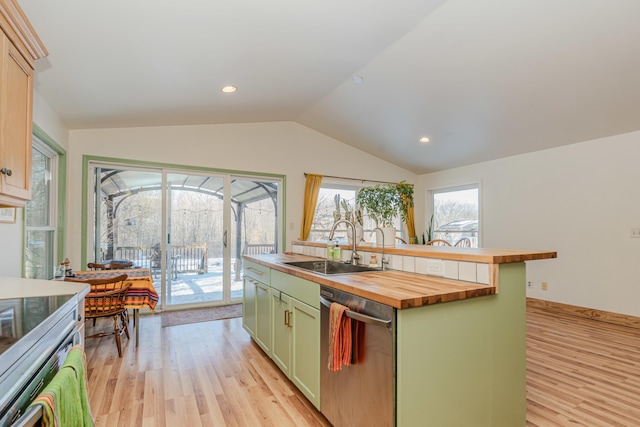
[
  {"x": 360, "y": 317},
  {"x": 29, "y": 418}
]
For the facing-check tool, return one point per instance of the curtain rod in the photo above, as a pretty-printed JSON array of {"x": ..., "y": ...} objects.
[{"x": 355, "y": 179}]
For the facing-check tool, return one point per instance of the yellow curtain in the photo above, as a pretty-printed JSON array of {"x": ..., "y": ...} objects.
[
  {"x": 406, "y": 199},
  {"x": 311, "y": 190},
  {"x": 411, "y": 225}
]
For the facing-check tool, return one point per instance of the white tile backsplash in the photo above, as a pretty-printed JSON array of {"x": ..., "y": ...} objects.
[
  {"x": 421, "y": 265},
  {"x": 482, "y": 273},
  {"x": 364, "y": 258},
  {"x": 467, "y": 271},
  {"x": 451, "y": 269},
  {"x": 395, "y": 262},
  {"x": 409, "y": 264},
  {"x": 457, "y": 270}
]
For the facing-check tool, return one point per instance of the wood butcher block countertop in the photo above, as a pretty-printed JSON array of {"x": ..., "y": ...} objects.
[
  {"x": 395, "y": 288},
  {"x": 484, "y": 255}
]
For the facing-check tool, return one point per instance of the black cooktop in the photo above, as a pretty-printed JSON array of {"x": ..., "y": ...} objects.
[{"x": 19, "y": 316}]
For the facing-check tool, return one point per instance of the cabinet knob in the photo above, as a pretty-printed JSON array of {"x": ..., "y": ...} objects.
[{"x": 6, "y": 171}]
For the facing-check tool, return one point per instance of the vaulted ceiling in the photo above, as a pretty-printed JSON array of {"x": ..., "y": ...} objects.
[{"x": 483, "y": 79}]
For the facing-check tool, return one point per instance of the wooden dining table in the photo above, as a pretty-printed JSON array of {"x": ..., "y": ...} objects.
[{"x": 141, "y": 294}]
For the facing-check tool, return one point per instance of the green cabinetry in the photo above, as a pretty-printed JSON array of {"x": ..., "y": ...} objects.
[
  {"x": 281, "y": 330},
  {"x": 249, "y": 307},
  {"x": 305, "y": 350},
  {"x": 256, "y": 308},
  {"x": 281, "y": 312},
  {"x": 263, "y": 317},
  {"x": 296, "y": 331}
]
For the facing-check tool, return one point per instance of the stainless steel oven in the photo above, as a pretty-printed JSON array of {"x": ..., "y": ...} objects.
[
  {"x": 362, "y": 394},
  {"x": 36, "y": 335}
]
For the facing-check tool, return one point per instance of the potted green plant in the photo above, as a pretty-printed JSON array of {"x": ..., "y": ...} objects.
[{"x": 382, "y": 203}]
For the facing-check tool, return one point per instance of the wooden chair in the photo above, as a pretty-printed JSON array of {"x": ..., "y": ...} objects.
[
  {"x": 110, "y": 266},
  {"x": 438, "y": 242},
  {"x": 463, "y": 243},
  {"x": 106, "y": 299}
]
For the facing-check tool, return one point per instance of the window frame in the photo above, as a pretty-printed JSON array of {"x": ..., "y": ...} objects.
[
  {"x": 450, "y": 189},
  {"x": 368, "y": 235},
  {"x": 52, "y": 246}
]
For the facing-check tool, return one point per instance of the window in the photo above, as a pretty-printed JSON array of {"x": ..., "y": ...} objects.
[
  {"x": 455, "y": 214},
  {"x": 40, "y": 213},
  {"x": 326, "y": 207}
]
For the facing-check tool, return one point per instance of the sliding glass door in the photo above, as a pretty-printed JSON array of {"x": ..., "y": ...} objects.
[
  {"x": 189, "y": 228},
  {"x": 196, "y": 236},
  {"x": 254, "y": 214}
]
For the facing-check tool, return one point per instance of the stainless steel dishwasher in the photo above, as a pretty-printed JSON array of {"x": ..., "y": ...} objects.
[{"x": 361, "y": 394}]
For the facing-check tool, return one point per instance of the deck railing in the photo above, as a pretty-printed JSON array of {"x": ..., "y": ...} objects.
[
  {"x": 259, "y": 248},
  {"x": 185, "y": 259}
]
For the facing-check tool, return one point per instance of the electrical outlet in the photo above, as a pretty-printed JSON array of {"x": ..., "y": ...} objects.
[
  {"x": 529, "y": 284},
  {"x": 545, "y": 286},
  {"x": 635, "y": 232},
  {"x": 291, "y": 225},
  {"x": 435, "y": 267}
]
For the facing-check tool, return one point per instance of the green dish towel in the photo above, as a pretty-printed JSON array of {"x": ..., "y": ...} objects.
[{"x": 64, "y": 400}]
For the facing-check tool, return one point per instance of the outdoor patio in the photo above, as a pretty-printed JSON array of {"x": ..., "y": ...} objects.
[{"x": 191, "y": 288}]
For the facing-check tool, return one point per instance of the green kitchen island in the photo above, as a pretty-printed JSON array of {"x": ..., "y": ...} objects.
[{"x": 460, "y": 350}]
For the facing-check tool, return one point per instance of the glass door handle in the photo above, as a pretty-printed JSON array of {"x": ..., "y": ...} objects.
[{"x": 224, "y": 238}]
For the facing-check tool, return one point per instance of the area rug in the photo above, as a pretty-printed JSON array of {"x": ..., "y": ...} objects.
[{"x": 195, "y": 315}]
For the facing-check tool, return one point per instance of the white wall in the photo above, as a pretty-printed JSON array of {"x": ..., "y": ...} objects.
[
  {"x": 579, "y": 200},
  {"x": 11, "y": 238},
  {"x": 284, "y": 148},
  {"x": 48, "y": 120}
]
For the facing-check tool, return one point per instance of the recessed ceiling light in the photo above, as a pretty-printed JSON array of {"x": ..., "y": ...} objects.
[
  {"x": 229, "y": 89},
  {"x": 424, "y": 139},
  {"x": 357, "y": 79}
]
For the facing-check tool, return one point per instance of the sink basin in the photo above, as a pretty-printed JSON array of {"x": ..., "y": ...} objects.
[{"x": 330, "y": 267}]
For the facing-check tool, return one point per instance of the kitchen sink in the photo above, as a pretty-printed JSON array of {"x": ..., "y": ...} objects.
[{"x": 330, "y": 267}]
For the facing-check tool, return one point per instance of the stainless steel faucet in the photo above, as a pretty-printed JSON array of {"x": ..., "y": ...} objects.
[
  {"x": 354, "y": 254},
  {"x": 382, "y": 261}
]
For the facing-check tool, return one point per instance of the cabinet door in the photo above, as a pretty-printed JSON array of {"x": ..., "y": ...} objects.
[
  {"x": 305, "y": 363},
  {"x": 249, "y": 306},
  {"x": 281, "y": 330},
  {"x": 16, "y": 81},
  {"x": 263, "y": 317}
]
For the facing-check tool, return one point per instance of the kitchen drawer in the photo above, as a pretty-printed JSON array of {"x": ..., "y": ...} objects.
[
  {"x": 303, "y": 290},
  {"x": 257, "y": 272}
]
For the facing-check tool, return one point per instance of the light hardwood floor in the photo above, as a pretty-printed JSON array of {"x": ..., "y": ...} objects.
[{"x": 579, "y": 373}]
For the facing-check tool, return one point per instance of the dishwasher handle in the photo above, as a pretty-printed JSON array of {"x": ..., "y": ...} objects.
[{"x": 359, "y": 316}]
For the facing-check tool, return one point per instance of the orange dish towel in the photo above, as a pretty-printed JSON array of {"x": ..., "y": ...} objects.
[{"x": 340, "y": 344}]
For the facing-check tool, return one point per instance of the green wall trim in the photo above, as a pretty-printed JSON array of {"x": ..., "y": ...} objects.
[{"x": 89, "y": 158}]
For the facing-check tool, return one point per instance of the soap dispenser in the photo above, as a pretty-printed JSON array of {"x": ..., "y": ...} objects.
[
  {"x": 330, "y": 249},
  {"x": 337, "y": 251}
]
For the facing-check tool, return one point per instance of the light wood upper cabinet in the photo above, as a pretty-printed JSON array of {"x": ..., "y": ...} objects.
[{"x": 20, "y": 47}]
